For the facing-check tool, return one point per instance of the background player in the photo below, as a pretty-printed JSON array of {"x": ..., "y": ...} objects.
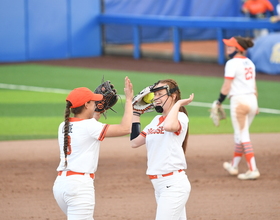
[
  {"x": 79, "y": 140},
  {"x": 240, "y": 86},
  {"x": 166, "y": 139}
]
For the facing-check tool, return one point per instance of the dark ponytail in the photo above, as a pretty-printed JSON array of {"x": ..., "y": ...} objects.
[
  {"x": 66, "y": 130},
  {"x": 244, "y": 42}
]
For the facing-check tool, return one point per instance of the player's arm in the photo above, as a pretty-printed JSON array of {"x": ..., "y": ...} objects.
[
  {"x": 124, "y": 127},
  {"x": 224, "y": 90},
  {"x": 136, "y": 140},
  {"x": 226, "y": 86},
  {"x": 171, "y": 123}
]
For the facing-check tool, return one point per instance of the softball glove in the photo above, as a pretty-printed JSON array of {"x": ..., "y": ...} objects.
[
  {"x": 110, "y": 97},
  {"x": 143, "y": 101},
  {"x": 217, "y": 113}
]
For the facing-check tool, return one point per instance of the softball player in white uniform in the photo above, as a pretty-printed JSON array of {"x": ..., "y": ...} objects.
[
  {"x": 240, "y": 86},
  {"x": 165, "y": 138},
  {"x": 79, "y": 143}
]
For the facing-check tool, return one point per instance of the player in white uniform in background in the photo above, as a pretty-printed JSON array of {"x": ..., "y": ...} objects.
[
  {"x": 166, "y": 139},
  {"x": 240, "y": 87},
  {"x": 79, "y": 143}
]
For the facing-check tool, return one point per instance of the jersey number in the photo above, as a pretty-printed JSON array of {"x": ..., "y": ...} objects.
[
  {"x": 69, "y": 149},
  {"x": 248, "y": 73}
]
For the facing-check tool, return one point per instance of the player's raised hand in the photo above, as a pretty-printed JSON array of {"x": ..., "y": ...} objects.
[
  {"x": 128, "y": 89},
  {"x": 186, "y": 101}
]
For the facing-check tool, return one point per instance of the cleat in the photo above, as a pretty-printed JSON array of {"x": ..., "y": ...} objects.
[
  {"x": 249, "y": 175},
  {"x": 231, "y": 170}
]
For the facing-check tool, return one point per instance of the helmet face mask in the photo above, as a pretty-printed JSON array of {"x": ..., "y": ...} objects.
[
  {"x": 159, "y": 109},
  {"x": 153, "y": 89},
  {"x": 169, "y": 91}
]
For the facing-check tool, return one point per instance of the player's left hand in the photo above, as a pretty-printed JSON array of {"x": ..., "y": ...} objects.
[
  {"x": 110, "y": 97},
  {"x": 139, "y": 105},
  {"x": 128, "y": 89}
]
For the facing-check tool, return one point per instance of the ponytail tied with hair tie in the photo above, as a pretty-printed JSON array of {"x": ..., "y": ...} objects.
[{"x": 65, "y": 162}]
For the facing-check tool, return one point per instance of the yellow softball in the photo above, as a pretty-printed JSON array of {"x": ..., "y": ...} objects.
[{"x": 149, "y": 98}]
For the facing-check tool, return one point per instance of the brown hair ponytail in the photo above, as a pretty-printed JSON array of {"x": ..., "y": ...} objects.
[
  {"x": 244, "y": 42},
  {"x": 66, "y": 130}
]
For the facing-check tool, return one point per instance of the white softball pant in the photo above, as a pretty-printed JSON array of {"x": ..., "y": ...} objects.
[
  {"x": 243, "y": 109},
  {"x": 75, "y": 196},
  {"x": 172, "y": 193}
]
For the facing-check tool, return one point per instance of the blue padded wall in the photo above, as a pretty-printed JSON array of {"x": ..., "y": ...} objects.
[
  {"x": 47, "y": 29},
  {"x": 84, "y": 31},
  {"x": 12, "y": 30}
]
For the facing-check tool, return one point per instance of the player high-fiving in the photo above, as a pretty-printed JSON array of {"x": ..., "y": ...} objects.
[{"x": 79, "y": 140}]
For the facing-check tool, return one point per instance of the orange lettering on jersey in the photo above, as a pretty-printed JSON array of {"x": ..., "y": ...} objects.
[
  {"x": 159, "y": 130},
  {"x": 248, "y": 73},
  {"x": 69, "y": 149}
]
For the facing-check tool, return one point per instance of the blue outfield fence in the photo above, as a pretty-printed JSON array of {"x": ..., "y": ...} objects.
[
  {"x": 173, "y": 8},
  {"x": 51, "y": 29},
  {"x": 221, "y": 24},
  {"x": 48, "y": 29}
]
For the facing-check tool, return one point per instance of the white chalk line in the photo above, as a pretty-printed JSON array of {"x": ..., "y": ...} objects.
[
  {"x": 65, "y": 91},
  {"x": 33, "y": 88}
]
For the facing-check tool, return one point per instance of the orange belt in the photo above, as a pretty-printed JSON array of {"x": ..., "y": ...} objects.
[
  {"x": 69, "y": 173},
  {"x": 162, "y": 175}
]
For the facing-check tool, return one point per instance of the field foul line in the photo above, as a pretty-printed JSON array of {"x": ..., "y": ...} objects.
[
  {"x": 33, "y": 88},
  {"x": 65, "y": 91}
]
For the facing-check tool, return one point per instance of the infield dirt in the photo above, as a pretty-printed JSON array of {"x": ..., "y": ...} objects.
[{"x": 123, "y": 191}]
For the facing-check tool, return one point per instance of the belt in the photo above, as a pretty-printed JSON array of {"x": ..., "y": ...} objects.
[
  {"x": 163, "y": 175},
  {"x": 69, "y": 173}
]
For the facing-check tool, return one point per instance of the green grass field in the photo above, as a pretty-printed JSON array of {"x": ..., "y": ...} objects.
[{"x": 36, "y": 114}]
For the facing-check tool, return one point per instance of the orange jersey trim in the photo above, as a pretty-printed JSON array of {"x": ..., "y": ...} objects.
[
  {"x": 143, "y": 134},
  {"x": 227, "y": 77},
  {"x": 240, "y": 57},
  {"x": 161, "y": 119},
  {"x": 103, "y": 132},
  {"x": 75, "y": 119}
]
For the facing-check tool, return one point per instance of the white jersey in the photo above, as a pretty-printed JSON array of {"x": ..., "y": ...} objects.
[
  {"x": 83, "y": 152},
  {"x": 164, "y": 149},
  {"x": 242, "y": 71}
]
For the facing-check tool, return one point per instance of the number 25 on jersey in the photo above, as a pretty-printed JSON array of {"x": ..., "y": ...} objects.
[{"x": 248, "y": 73}]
